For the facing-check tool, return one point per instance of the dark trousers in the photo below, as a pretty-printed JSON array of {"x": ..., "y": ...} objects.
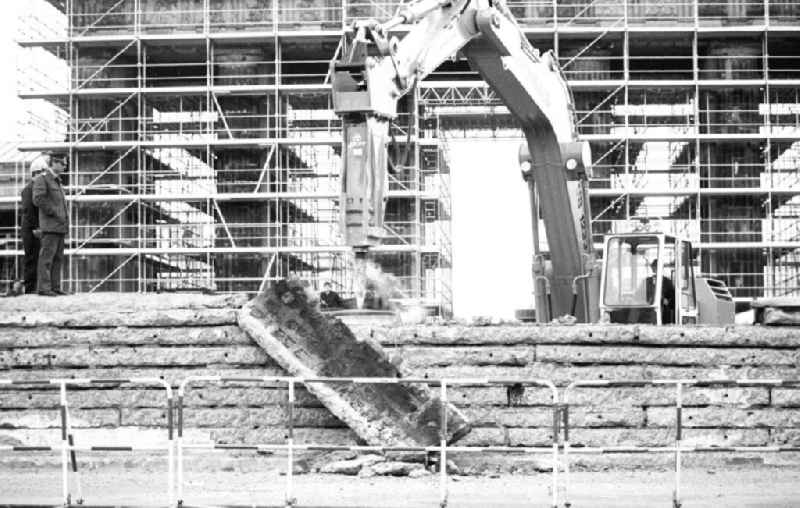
[
  {"x": 51, "y": 257},
  {"x": 30, "y": 259}
]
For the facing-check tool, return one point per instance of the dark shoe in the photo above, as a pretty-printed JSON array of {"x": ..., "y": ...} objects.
[
  {"x": 60, "y": 292},
  {"x": 47, "y": 293}
]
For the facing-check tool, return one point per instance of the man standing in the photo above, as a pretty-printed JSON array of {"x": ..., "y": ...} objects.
[
  {"x": 330, "y": 299},
  {"x": 53, "y": 221},
  {"x": 29, "y": 228},
  {"x": 667, "y": 294}
]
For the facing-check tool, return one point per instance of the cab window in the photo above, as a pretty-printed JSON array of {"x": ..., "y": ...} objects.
[{"x": 628, "y": 262}]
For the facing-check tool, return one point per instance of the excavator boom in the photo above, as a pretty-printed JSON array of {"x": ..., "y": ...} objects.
[{"x": 378, "y": 69}]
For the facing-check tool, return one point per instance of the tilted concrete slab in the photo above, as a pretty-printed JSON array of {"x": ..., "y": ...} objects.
[{"x": 308, "y": 343}]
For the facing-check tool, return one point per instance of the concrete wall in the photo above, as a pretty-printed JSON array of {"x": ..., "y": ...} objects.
[
  {"x": 174, "y": 337},
  {"x": 728, "y": 416}
]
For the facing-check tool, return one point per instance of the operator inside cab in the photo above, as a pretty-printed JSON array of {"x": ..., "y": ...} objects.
[{"x": 667, "y": 294}]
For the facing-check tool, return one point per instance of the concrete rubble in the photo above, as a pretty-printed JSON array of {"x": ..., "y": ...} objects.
[
  {"x": 369, "y": 465},
  {"x": 352, "y": 466}
]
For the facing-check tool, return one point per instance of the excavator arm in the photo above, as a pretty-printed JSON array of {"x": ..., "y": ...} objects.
[
  {"x": 375, "y": 73},
  {"x": 379, "y": 69}
]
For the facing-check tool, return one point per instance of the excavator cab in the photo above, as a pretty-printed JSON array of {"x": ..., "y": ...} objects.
[{"x": 648, "y": 278}]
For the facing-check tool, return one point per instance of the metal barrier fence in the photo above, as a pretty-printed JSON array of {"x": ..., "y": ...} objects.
[
  {"x": 558, "y": 449},
  {"x": 68, "y": 446},
  {"x": 678, "y": 448},
  {"x": 442, "y": 449}
]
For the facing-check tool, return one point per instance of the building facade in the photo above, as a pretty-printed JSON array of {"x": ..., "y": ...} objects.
[{"x": 204, "y": 151}]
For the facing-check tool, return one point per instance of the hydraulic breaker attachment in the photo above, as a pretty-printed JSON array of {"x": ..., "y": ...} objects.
[
  {"x": 365, "y": 110},
  {"x": 363, "y": 182}
]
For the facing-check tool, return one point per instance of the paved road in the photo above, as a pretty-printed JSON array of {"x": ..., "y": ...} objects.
[{"x": 763, "y": 488}]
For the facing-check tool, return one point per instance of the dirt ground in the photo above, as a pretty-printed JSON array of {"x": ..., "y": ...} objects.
[{"x": 762, "y": 488}]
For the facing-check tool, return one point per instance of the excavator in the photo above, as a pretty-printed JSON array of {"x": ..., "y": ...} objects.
[
  {"x": 376, "y": 70},
  {"x": 643, "y": 277}
]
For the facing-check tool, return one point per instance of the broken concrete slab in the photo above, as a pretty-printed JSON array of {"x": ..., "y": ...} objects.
[
  {"x": 415, "y": 356},
  {"x": 419, "y": 473},
  {"x": 48, "y": 337},
  {"x": 594, "y": 334},
  {"x": 607, "y": 354},
  {"x": 121, "y": 302},
  {"x": 113, "y": 318},
  {"x": 285, "y": 321},
  {"x": 352, "y": 466},
  {"x": 395, "y": 468},
  {"x": 148, "y": 356},
  {"x": 720, "y": 416}
]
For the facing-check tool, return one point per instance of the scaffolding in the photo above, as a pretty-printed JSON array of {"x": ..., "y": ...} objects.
[
  {"x": 204, "y": 150},
  {"x": 202, "y": 140}
]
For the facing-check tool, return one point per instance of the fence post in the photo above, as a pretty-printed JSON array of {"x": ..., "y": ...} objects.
[
  {"x": 676, "y": 499},
  {"x": 62, "y": 406},
  {"x": 564, "y": 414},
  {"x": 179, "y": 442},
  {"x": 569, "y": 387},
  {"x": 170, "y": 445},
  {"x": 443, "y": 445},
  {"x": 290, "y": 501},
  {"x": 73, "y": 459}
]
